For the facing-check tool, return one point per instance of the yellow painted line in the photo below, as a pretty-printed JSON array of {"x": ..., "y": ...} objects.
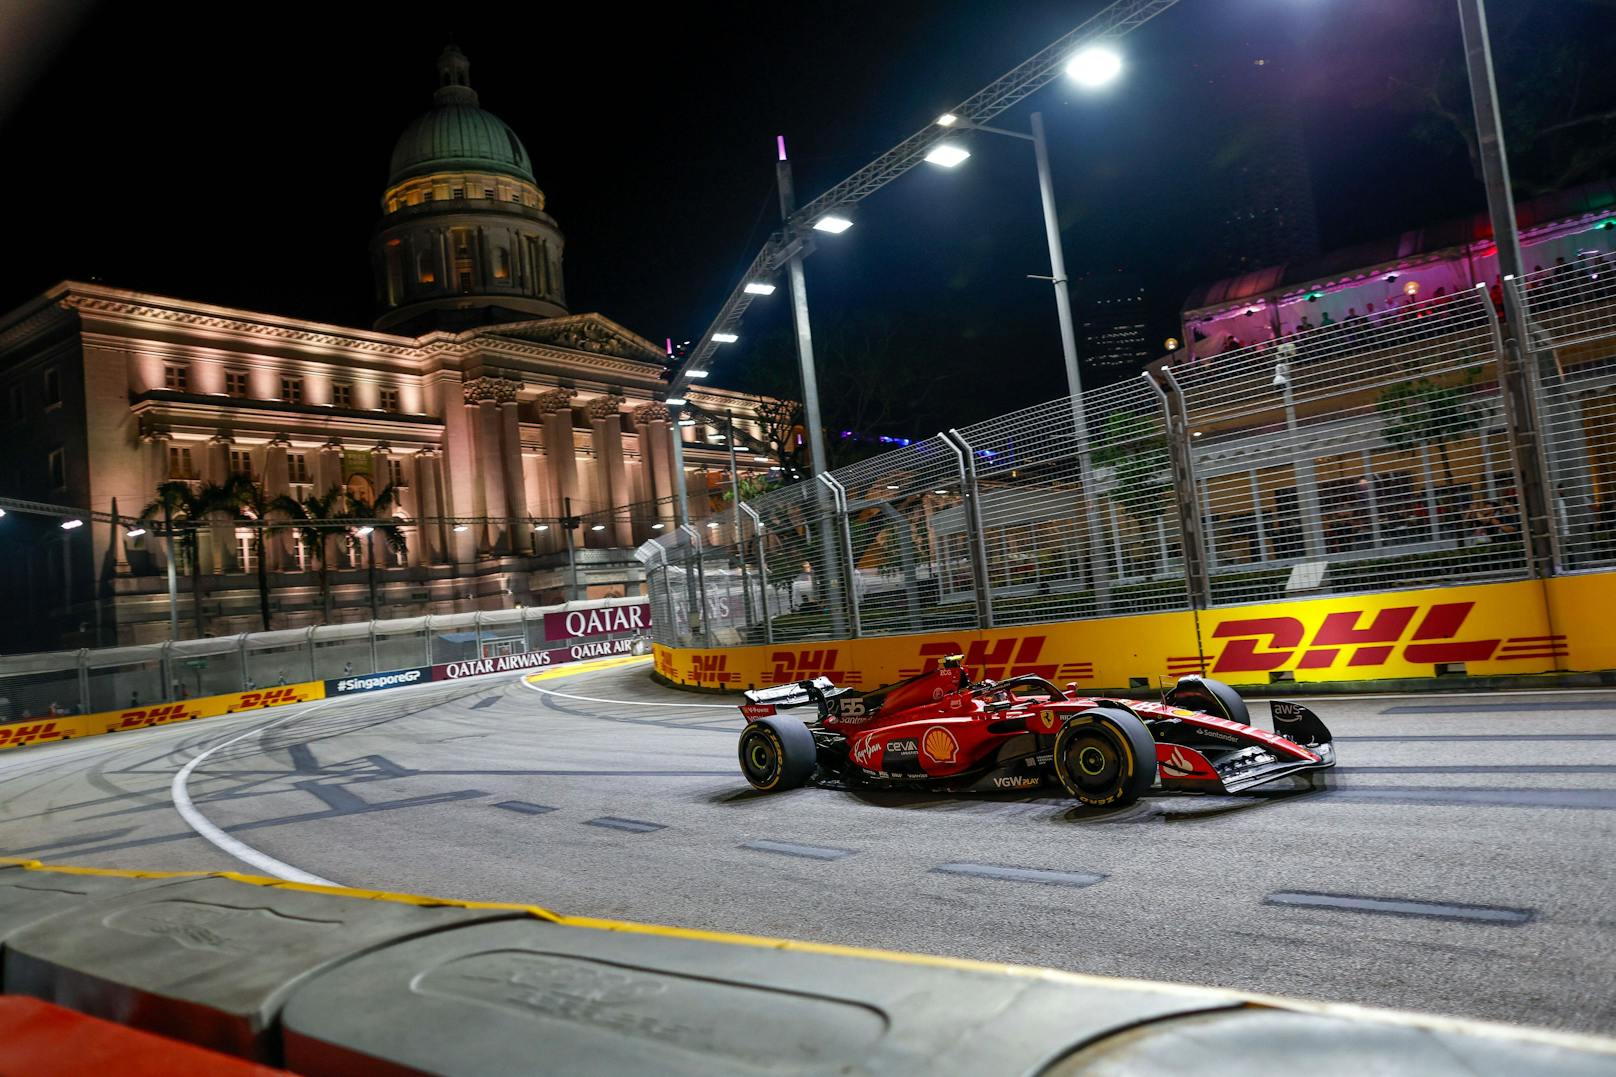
[{"x": 585, "y": 667}]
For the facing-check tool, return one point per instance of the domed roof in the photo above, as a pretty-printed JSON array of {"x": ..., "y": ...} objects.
[{"x": 457, "y": 135}]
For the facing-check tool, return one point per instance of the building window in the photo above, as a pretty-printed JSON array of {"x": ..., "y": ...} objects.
[
  {"x": 300, "y": 551},
  {"x": 502, "y": 263},
  {"x": 395, "y": 473},
  {"x": 292, "y": 390},
  {"x": 351, "y": 553},
  {"x": 179, "y": 462},
  {"x": 246, "y": 553},
  {"x": 57, "y": 465},
  {"x": 488, "y": 192},
  {"x": 396, "y": 558},
  {"x": 53, "y": 387},
  {"x": 241, "y": 462},
  {"x": 460, "y": 192},
  {"x": 235, "y": 383},
  {"x": 176, "y": 378},
  {"x": 342, "y": 394},
  {"x": 425, "y": 270},
  {"x": 389, "y": 399},
  {"x": 297, "y": 467}
]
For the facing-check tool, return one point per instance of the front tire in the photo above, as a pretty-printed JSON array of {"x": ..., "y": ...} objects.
[
  {"x": 1105, "y": 757},
  {"x": 777, "y": 753}
]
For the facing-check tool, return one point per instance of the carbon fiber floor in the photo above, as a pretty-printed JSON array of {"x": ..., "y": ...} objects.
[{"x": 1459, "y": 860}]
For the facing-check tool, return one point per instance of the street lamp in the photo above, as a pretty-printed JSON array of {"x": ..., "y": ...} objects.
[
  {"x": 946, "y": 154},
  {"x": 833, "y": 224},
  {"x": 1091, "y": 67}
]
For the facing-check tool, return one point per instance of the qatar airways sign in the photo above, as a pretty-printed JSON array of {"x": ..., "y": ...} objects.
[{"x": 603, "y": 621}]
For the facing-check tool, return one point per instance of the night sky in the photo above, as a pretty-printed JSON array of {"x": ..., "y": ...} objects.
[{"x": 169, "y": 149}]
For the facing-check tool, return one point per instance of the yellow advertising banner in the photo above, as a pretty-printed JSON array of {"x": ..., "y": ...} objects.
[
  {"x": 1487, "y": 629},
  {"x": 43, "y": 730}
]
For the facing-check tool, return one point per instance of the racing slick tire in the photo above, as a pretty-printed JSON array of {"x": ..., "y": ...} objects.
[
  {"x": 1105, "y": 757},
  {"x": 777, "y": 753},
  {"x": 1209, "y": 697}
]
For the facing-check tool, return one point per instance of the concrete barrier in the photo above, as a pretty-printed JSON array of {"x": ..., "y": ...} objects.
[
  {"x": 205, "y": 959},
  {"x": 28, "y": 897}
]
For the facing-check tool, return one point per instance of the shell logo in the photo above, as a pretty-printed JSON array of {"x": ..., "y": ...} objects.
[{"x": 939, "y": 745}]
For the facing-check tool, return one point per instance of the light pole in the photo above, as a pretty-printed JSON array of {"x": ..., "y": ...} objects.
[
  {"x": 365, "y": 533},
  {"x": 569, "y": 524},
  {"x": 1306, "y": 480},
  {"x": 942, "y": 156}
]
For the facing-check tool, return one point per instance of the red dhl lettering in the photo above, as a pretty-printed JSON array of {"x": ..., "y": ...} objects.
[
  {"x": 807, "y": 665},
  {"x": 1258, "y": 644},
  {"x": 150, "y": 716},
  {"x": 267, "y": 698},
  {"x": 710, "y": 669},
  {"x": 995, "y": 659},
  {"x": 17, "y": 735}
]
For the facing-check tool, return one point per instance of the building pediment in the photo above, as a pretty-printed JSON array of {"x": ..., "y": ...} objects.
[{"x": 593, "y": 333}]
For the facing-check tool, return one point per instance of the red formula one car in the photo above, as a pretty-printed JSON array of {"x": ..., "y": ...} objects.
[{"x": 941, "y": 730}]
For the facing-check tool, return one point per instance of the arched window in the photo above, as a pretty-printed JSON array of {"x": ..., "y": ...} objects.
[{"x": 425, "y": 270}]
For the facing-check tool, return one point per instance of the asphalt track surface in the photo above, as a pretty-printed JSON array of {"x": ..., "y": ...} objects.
[{"x": 1458, "y": 861}]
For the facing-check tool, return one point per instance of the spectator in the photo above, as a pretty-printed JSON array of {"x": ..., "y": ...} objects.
[
  {"x": 1305, "y": 326},
  {"x": 1497, "y": 294},
  {"x": 134, "y": 700},
  {"x": 1325, "y": 321}
]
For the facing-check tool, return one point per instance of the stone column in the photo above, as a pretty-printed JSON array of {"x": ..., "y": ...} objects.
[
  {"x": 156, "y": 442},
  {"x": 221, "y": 529},
  {"x": 380, "y": 478},
  {"x": 328, "y": 474},
  {"x": 429, "y": 544},
  {"x": 515, "y": 482},
  {"x": 278, "y": 545},
  {"x": 561, "y": 464},
  {"x": 484, "y": 398},
  {"x": 656, "y": 451},
  {"x": 612, "y": 476}
]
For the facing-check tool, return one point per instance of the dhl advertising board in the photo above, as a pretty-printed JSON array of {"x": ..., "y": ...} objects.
[
  {"x": 28, "y": 731},
  {"x": 1491, "y": 629}
]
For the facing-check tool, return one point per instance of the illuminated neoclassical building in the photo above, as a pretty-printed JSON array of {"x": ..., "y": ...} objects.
[{"x": 477, "y": 395}]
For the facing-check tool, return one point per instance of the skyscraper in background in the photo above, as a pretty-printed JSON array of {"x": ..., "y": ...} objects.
[
  {"x": 1259, "y": 181},
  {"x": 1111, "y": 323}
]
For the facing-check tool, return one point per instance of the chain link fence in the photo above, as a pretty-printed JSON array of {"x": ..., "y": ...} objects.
[{"x": 1397, "y": 450}]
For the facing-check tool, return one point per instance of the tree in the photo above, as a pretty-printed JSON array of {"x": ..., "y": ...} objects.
[
  {"x": 250, "y": 501},
  {"x": 361, "y": 510},
  {"x": 1428, "y": 412},
  {"x": 178, "y": 503},
  {"x": 316, "y": 518},
  {"x": 1136, "y": 451}
]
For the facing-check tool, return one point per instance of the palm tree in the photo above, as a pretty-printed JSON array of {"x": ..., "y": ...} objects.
[
  {"x": 316, "y": 518},
  {"x": 392, "y": 534},
  {"x": 249, "y": 499},
  {"x": 178, "y": 501}
]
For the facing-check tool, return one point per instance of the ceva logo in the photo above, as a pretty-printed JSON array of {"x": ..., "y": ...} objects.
[{"x": 1265, "y": 643}]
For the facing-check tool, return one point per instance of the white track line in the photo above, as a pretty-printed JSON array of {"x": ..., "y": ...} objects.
[
  {"x": 240, "y": 850},
  {"x": 633, "y": 702}
]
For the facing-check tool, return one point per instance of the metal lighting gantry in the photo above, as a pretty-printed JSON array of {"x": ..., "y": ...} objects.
[{"x": 1116, "y": 21}]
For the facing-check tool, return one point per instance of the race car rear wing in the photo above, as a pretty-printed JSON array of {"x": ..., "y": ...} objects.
[{"x": 765, "y": 701}]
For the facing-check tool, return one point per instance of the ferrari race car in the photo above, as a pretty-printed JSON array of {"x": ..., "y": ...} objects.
[{"x": 941, "y": 730}]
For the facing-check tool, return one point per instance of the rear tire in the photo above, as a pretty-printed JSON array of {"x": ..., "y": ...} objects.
[
  {"x": 1105, "y": 757},
  {"x": 777, "y": 753},
  {"x": 1210, "y": 697}
]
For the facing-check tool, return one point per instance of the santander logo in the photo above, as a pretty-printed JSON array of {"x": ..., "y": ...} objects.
[{"x": 1178, "y": 765}]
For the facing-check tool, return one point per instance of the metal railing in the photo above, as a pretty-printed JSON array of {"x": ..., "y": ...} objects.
[
  {"x": 93, "y": 680},
  {"x": 1370, "y": 455}
]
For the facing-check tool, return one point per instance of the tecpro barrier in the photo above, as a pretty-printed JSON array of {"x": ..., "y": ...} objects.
[{"x": 1502, "y": 629}]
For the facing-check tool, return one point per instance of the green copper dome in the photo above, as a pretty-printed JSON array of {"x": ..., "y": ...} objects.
[{"x": 457, "y": 135}]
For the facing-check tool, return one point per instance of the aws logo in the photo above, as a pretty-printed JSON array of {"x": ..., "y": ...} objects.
[
  {"x": 807, "y": 665},
  {"x": 1001, "y": 658},
  {"x": 1266, "y": 643}
]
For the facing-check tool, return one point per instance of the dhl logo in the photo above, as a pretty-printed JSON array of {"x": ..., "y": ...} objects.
[
  {"x": 1266, "y": 643},
  {"x": 1001, "y": 658},
  {"x": 710, "y": 669},
  {"x": 150, "y": 716},
  {"x": 270, "y": 698},
  {"x": 665, "y": 664},
  {"x": 15, "y": 736},
  {"x": 807, "y": 665}
]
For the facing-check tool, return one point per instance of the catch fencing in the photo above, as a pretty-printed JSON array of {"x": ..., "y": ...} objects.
[{"x": 1415, "y": 448}]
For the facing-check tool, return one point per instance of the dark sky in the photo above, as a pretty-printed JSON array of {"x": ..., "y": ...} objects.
[{"x": 174, "y": 149}]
